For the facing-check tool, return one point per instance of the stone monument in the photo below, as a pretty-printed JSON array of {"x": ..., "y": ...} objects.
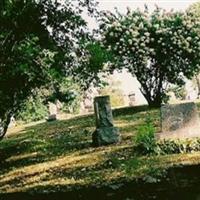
[
  {"x": 105, "y": 132},
  {"x": 52, "y": 112},
  {"x": 179, "y": 121}
]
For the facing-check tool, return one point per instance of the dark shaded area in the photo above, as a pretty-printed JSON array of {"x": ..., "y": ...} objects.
[
  {"x": 48, "y": 140},
  {"x": 179, "y": 183},
  {"x": 130, "y": 110}
]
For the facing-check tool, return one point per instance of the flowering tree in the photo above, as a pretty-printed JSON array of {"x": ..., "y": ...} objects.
[
  {"x": 158, "y": 48},
  {"x": 194, "y": 10}
]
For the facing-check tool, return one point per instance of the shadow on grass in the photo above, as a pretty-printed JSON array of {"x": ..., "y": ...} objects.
[{"x": 50, "y": 141}]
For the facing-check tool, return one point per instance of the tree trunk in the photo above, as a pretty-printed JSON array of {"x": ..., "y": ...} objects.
[
  {"x": 155, "y": 103},
  {"x": 4, "y": 123},
  {"x": 154, "y": 100},
  {"x": 198, "y": 86}
]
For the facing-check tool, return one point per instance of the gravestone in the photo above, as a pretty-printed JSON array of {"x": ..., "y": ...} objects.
[
  {"x": 131, "y": 99},
  {"x": 12, "y": 122},
  {"x": 105, "y": 132},
  {"x": 52, "y": 112},
  {"x": 179, "y": 121}
]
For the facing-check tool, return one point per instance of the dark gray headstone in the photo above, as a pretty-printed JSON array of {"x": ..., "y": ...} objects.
[
  {"x": 105, "y": 132},
  {"x": 180, "y": 121}
]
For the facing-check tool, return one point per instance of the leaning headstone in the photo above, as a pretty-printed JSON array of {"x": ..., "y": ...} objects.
[
  {"x": 105, "y": 132},
  {"x": 179, "y": 121},
  {"x": 52, "y": 112}
]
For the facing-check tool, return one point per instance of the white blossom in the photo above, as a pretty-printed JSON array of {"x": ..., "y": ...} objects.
[
  {"x": 130, "y": 41},
  {"x": 147, "y": 34},
  {"x": 152, "y": 39},
  {"x": 156, "y": 26},
  {"x": 141, "y": 25},
  {"x": 111, "y": 34},
  {"x": 127, "y": 32}
]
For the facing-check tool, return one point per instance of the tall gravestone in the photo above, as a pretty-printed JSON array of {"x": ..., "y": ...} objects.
[
  {"x": 179, "y": 121},
  {"x": 105, "y": 132}
]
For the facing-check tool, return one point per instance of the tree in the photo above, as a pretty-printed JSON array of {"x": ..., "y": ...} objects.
[
  {"x": 179, "y": 92},
  {"x": 194, "y": 10},
  {"x": 158, "y": 48},
  {"x": 36, "y": 106},
  {"x": 37, "y": 40}
]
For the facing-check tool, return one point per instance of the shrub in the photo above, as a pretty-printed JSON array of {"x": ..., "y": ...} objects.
[
  {"x": 145, "y": 142},
  {"x": 150, "y": 146},
  {"x": 177, "y": 146}
]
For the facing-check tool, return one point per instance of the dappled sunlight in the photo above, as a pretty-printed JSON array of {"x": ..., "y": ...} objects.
[
  {"x": 60, "y": 153},
  {"x": 22, "y": 156},
  {"x": 52, "y": 156},
  {"x": 124, "y": 123},
  {"x": 27, "y": 175}
]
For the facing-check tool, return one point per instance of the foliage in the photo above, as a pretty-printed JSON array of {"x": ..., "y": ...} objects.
[
  {"x": 145, "y": 144},
  {"x": 36, "y": 106},
  {"x": 177, "y": 146},
  {"x": 179, "y": 92},
  {"x": 91, "y": 63},
  {"x": 36, "y": 49},
  {"x": 158, "y": 48},
  {"x": 194, "y": 10},
  {"x": 72, "y": 93},
  {"x": 32, "y": 110},
  {"x": 144, "y": 140}
]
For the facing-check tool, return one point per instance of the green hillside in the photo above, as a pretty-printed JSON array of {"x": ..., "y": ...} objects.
[{"x": 58, "y": 156}]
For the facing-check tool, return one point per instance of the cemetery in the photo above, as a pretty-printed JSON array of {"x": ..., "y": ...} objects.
[
  {"x": 111, "y": 112},
  {"x": 59, "y": 157}
]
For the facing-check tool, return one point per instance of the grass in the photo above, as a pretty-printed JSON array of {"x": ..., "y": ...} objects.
[{"x": 58, "y": 156}]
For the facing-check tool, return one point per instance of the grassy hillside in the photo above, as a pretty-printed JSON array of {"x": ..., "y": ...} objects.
[{"x": 58, "y": 156}]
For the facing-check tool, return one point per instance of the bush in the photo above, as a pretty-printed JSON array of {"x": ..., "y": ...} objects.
[
  {"x": 177, "y": 146},
  {"x": 145, "y": 142}
]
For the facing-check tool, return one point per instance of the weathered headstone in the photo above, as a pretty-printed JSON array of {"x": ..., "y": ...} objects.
[
  {"x": 105, "y": 132},
  {"x": 179, "y": 121},
  {"x": 52, "y": 112},
  {"x": 12, "y": 122},
  {"x": 131, "y": 97}
]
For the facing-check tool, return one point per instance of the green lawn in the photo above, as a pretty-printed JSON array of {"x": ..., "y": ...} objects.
[{"x": 58, "y": 156}]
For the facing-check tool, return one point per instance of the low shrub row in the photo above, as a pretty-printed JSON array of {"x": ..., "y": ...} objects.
[
  {"x": 145, "y": 142},
  {"x": 168, "y": 147}
]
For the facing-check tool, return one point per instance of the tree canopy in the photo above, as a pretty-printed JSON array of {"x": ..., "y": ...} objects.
[
  {"x": 158, "y": 48},
  {"x": 37, "y": 41}
]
